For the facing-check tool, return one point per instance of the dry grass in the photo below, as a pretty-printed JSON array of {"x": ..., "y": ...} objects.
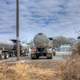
[
  {"x": 76, "y": 49},
  {"x": 30, "y": 71},
  {"x": 71, "y": 70}
]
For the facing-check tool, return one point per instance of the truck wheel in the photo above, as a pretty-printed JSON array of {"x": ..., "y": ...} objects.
[
  {"x": 49, "y": 56},
  {"x": 6, "y": 56},
  {"x": 54, "y": 53},
  {"x": 33, "y": 56},
  {"x": 37, "y": 56},
  {"x": 2, "y": 56}
]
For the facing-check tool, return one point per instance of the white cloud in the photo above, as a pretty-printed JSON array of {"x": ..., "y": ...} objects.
[{"x": 53, "y": 17}]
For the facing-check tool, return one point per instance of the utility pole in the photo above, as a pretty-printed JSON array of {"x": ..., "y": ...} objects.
[{"x": 17, "y": 30}]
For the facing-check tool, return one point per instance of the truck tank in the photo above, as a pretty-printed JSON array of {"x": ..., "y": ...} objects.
[
  {"x": 7, "y": 44},
  {"x": 41, "y": 40}
]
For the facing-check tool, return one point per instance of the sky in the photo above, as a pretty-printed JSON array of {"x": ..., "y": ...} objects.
[{"x": 51, "y": 17}]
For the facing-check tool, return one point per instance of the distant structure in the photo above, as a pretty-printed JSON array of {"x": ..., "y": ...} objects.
[{"x": 64, "y": 48}]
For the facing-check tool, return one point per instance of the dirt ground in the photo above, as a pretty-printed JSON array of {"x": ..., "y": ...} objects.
[{"x": 35, "y": 70}]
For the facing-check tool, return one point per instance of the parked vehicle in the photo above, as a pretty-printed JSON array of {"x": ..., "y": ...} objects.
[
  {"x": 41, "y": 47},
  {"x": 8, "y": 49}
]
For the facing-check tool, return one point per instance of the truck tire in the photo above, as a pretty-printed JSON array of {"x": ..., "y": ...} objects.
[
  {"x": 37, "y": 57},
  {"x": 54, "y": 53},
  {"x": 6, "y": 55},
  {"x": 33, "y": 56},
  {"x": 49, "y": 56},
  {"x": 1, "y": 57}
]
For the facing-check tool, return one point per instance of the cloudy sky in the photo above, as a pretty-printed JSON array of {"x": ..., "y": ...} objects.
[{"x": 52, "y": 17}]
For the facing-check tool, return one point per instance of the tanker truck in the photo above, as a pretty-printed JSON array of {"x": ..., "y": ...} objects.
[
  {"x": 23, "y": 47},
  {"x": 8, "y": 49},
  {"x": 41, "y": 47},
  {"x": 5, "y": 46}
]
